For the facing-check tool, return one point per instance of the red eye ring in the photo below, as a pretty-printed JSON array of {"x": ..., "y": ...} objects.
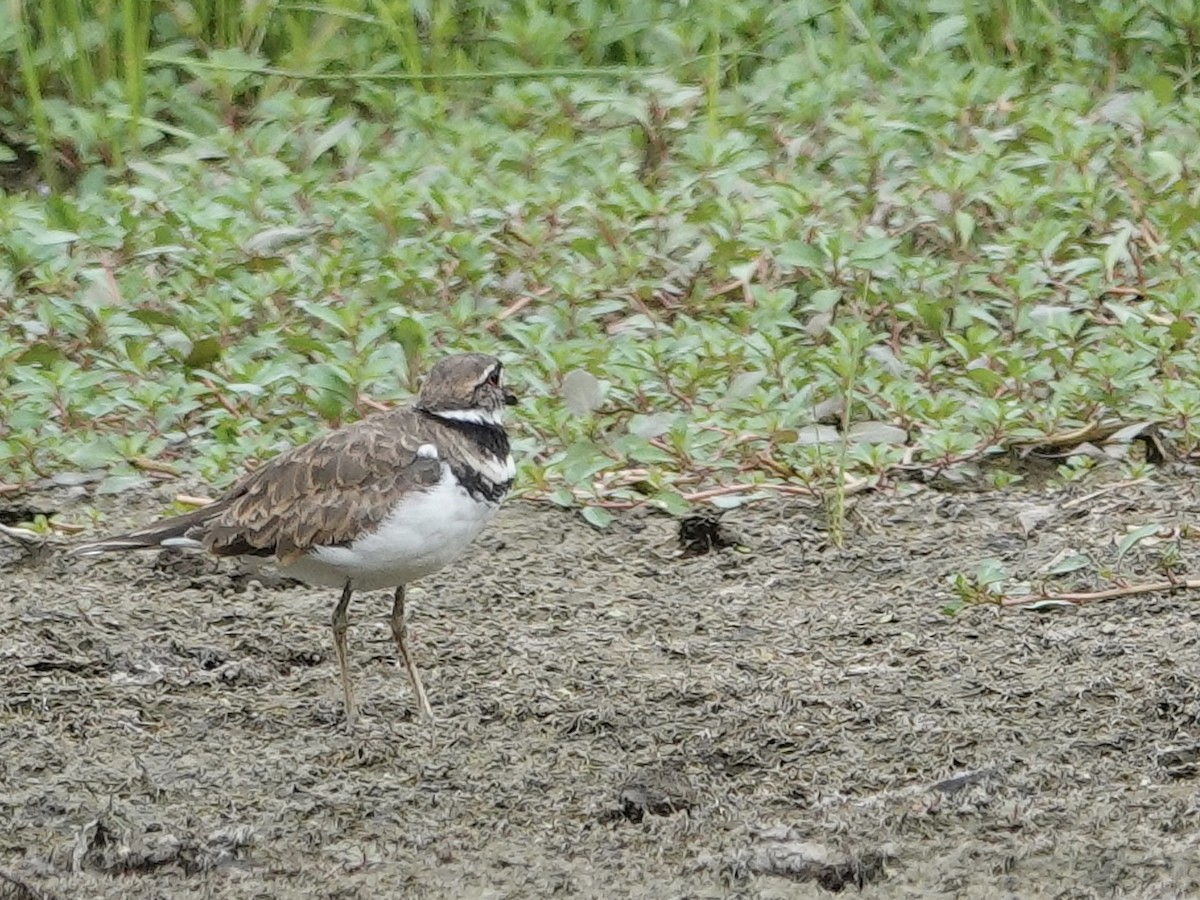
[{"x": 494, "y": 378}]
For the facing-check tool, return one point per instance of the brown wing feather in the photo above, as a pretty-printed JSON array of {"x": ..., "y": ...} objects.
[{"x": 324, "y": 492}]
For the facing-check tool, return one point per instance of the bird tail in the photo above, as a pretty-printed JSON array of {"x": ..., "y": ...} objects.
[{"x": 172, "y": 532}]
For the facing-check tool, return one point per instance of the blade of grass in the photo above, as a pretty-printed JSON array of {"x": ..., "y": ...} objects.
[
  {"x": 83, "y": 76},
  {"x": 501, "y": 75},
  {"x": 714, "y": 66},
  {"x": 133, "y": 53},
  {"x": 402, "y": 30},
  {"x": 106, "y": 61},
  {"x": 33, "y": 91}
]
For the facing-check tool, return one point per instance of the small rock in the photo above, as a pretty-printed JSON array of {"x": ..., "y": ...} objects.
[
  {"x": 657, "y": 792},
  {"x": 782, "y": 852},
  {"x": 702, "y": 532}
]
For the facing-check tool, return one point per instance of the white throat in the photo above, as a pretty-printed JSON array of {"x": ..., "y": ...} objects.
[{"x": 473, "y": 416}]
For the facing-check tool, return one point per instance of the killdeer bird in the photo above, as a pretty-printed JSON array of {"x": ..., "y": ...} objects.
[{"x": 377, "y": 504}]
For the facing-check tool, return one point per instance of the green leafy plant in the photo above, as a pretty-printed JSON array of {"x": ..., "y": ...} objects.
[{"x": 278, "y": 215}]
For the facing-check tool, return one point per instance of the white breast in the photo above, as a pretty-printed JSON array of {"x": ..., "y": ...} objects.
[{"x": 426, "y": 531}]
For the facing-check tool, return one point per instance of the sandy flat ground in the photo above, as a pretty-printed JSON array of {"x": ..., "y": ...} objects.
[{"x": 780, "y": 718}]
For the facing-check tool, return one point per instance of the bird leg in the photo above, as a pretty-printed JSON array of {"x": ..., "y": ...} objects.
[
  {"x": 400, "y": 633},
  {"x": 339, "y": 643}
]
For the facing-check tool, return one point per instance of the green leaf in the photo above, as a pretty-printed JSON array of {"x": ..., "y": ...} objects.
[
  {"x": 52, "y": 238},
  {"x": 583, "y": 460},
  {"x": 563, "y": 497},
  {"x": 637, "y": 450},
  {"x": 410, "y": 335},
  {"x": 330, "y": 138},
  {"x": 1163, "y": 88},
  {"x": 306, "y": 344},
  {"x": 597, "y": 516},
  {"x": 93, "y": 454},
  {"x": 154, "y": 317},
  {"x": 271, "y": 241},
  {"x": 40, "y": 354},
  {"x": 122, "y": 484},
  {"x": 334, "y": 318},
  {"x": 651, "y": 426},
  {"x": 947, "y": 32},
  {"x": 825, "y": 299},
  {"x": 733, "y": 501},
  {"x": 1118, "y": 249},
  {"x": 1134, "y": 538},
  {"x": 671, "y": 501},
  {"x": 203, "y": 353},
  {"x": 234, "y": 64},
  {"x": 581, "y": 391},
  {"x": 872, "y": 250},
  {"x": 1165, "y": 165},
  {"x": 743, "y": 385},
  {"x": 990, "y": 571},
  {"x": 964, "y": 224},
  {"x": 800, "y": 255},
  {"x": 1072, "y": 563}
]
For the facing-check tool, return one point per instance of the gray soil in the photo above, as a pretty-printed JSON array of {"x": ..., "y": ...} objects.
[{"x": 778, "y": 718}]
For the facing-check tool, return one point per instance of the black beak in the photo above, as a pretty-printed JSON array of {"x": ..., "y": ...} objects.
[{"x": 510, "y": 399}]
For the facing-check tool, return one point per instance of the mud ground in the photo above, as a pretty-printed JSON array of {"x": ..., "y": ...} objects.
[{"x": 780, "y": 718}]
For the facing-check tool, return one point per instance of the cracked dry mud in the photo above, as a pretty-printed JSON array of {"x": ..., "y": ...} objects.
[{"x": 775, "y": 719}]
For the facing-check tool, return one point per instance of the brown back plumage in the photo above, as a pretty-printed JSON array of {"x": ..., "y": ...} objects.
[{"x": 326, "y": 492}]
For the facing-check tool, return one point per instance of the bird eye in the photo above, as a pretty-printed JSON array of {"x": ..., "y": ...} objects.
[{"x": 494, "y": 378}]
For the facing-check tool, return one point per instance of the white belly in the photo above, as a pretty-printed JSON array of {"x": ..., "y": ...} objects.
[{"x": 427, "y": 531}]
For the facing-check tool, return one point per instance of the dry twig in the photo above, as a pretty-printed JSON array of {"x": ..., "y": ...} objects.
[
  {"x": 1079, "y": 598},
  {"x": 192, "y": 500},
  {"x": 153, "y": 466}
]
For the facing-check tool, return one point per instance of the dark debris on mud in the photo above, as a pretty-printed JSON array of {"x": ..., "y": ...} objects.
[{"x": 619, "y": 714}]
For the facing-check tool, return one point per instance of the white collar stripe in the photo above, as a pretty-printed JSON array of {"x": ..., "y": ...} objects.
[{"x": 471, "y": 416}]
